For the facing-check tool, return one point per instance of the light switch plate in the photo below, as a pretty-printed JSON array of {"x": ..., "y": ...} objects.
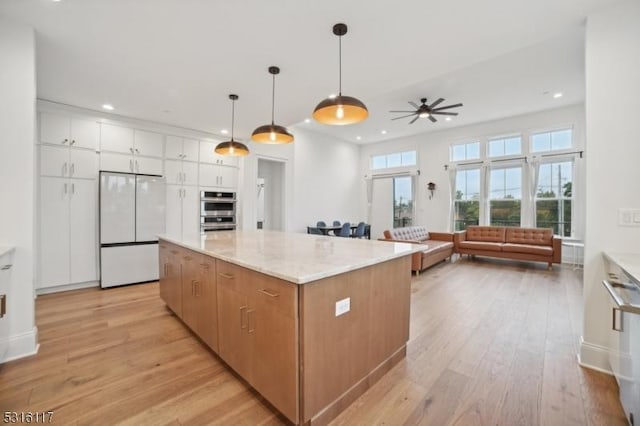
[
  {"x": 629, "y": 217},
  {"x": 343, "y": 306}
]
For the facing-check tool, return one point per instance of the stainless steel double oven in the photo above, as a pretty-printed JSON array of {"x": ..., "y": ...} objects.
[{"x": 217, "y": 211}]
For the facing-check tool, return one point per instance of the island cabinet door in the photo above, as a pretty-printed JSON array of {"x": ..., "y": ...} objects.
[
  {"x": 272, "y": 318},
  {"x": 234, "y": 341},
  {"x": 170, "y": 278},
  {"x": 199, "y": 298}
]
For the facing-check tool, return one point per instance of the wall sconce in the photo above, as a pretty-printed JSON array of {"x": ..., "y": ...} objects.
[{"x": 431, "y": 187}]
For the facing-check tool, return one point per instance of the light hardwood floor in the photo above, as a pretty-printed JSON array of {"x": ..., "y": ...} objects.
[{"x": 492, "y": 343}]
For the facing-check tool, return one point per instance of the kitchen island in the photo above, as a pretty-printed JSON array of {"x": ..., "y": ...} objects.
[{"x": 310, "y": 322}]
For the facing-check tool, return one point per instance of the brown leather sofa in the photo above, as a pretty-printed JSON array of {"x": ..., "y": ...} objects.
[
  {"x": 437, "y": 245},
  {"x": 536, "y": 244}
]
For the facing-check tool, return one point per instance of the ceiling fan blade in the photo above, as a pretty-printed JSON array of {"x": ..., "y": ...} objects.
[
  {"x": 444, "y": 113},
  {"x": 432, "y": 118},
  {"x": 440, "y": 100},
  {"x": 404, "y": 116},
  {"x": 403, "y": 111},
  {"x": 448, "y": 106},
  {"x": 413, "y": 104},
  {"x": 414, "y": 120}
]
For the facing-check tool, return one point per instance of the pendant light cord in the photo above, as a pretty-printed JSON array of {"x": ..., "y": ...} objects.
[
  {"x": 273, "y": 98},
  {"x": 233, "y": 111},
  {"x": 340, "y": 65}
]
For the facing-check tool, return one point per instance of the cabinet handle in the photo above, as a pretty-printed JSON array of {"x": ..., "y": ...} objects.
[
  {"x": 188, "y": 258},
  {"x": 165, "y": 270},
  {"x": 250, "y": 313},
  {"x": 131, "y": 165},
  {"x": 73, "y": 142},
  {"x": 205, "y": 265},
  {"x": 174, "y": 251},
  {"x": 243, "y": 310},
  {"x": 613, "y": 325},
  {"x": 269, "y": 293},
  {"x": 195, "y": 288},
  {"x": 73, "y": 188},
  {"x": 3, "y": 305},
  {"x": 6, "y": 267},
  {"x": 137, "y": 166},
  {"x": 227, "y": 276},
  {"x": 72, "y": 169},
  {"x": 64, "y": 169},
  {"x": 65, "y": 188}
]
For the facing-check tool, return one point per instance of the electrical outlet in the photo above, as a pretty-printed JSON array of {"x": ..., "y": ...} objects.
[{"x": 343, "y": 306}]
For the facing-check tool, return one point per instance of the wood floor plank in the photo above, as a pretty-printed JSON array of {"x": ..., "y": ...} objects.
[{"x": 491, "y": 342}]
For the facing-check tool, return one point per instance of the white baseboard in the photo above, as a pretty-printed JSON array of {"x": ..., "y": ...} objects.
[
  {"x": 22, "y": 345},
  {"x": 67, "y": 287},
  {"x": 594, "y": 356}
]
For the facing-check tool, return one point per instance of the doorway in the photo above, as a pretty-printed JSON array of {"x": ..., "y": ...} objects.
[{"x": 270, "y": 210}]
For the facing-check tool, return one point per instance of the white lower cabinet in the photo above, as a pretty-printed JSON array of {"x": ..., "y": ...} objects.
[
  {"x": 68, "y": 231},
  {"x": 183, "y": 211}
]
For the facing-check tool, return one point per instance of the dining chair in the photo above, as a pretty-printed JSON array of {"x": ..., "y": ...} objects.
[
  {"x": 315, "y": 231},
  {"x": 345, "y": 231},
  {"x": 359, "y": 232},
  {"x": 320, "y": 224},
  {"x": 336, "y": 223}
]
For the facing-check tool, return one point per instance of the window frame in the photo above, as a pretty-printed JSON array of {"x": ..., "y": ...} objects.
[
  {"x": 569, "y": 158},
  {"x": 386, "y": 160}
]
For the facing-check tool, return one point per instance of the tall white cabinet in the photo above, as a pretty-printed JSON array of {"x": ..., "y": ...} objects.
[{"x": 67, "y": 201}]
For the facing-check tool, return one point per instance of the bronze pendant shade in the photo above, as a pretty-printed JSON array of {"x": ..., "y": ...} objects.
[
  {"x": 272, "y": 133},
  {"x": 232, "y": 147},
  {"x": 340, "y": 110}
]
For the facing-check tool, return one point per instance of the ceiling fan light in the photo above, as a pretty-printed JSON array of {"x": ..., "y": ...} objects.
[
  {"x": 232, "y": 148},
  {"x": 423, "y": 115},
  {"x": 272, "y": 134},
  {"x": 340, "y": 110}
]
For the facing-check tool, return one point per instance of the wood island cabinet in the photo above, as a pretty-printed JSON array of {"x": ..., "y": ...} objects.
[{"x": 170, "y": 277}]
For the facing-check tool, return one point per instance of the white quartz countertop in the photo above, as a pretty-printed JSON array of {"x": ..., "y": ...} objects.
[
  {"x": 295, "y": 257},
  {"x": 628, "y": 262},
  {"x": 6, "y": 250}
]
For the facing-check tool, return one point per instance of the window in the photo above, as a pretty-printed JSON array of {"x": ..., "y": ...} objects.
[
  {"x": 467, "y": 151},
  {"x": 402, "y": 202},
  {"x": 505, "y": 195},
  {"x": 396, "y": 159},
  {"x": 554, "y": 195},
  {"x": 467, "y": 199},
  {"x": 552, "y": 141},
  {"x": 504, "y": 146}
]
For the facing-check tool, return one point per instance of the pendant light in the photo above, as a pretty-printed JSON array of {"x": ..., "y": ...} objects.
[
  {"x": 340, "y": 110},
  {"x": 232, "y": 148},
  {"x": 272, "y": 133}
]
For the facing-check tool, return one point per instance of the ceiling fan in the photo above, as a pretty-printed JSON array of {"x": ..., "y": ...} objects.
[{"x": 427, "y": 111}]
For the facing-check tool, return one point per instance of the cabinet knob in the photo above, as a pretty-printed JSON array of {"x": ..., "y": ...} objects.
[
  {"x": 6, "y": 267},
  {"x": 65, "y": 141},
  {"x": 73, "y": 142}
]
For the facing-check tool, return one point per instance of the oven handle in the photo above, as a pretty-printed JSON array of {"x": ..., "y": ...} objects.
[
  {"x": 218, "y": 200},
  {"x": 623, "y": 305}
]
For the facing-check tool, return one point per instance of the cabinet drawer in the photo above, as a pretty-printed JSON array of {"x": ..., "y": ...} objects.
[
  {"x": 231, "y": 276},
  {"x": 277, "y": 293}
]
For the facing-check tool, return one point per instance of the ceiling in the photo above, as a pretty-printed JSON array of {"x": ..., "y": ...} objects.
[{"x": 176, "y": 61}]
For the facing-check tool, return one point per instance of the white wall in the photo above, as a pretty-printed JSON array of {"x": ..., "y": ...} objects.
[
  {"x": 328, "y": 183},
  {"x": 433, "y": 154},
  {"x": 17, "y": 191},
  {"x": 272, "y": 174},
  {"x": 613, "y": 145}
]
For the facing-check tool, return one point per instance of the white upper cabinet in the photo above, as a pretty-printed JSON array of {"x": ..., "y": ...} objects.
[
  {"x": 54, "y": 161},
  {"x": 116, "y": 139},
  {"x": 148, "y": 143},
  {"x": 181, "y": 149},
  {"x": 189, "y": 173},
  {"x": 208, "y": 155},
  {"x": 60, "y": 130},
  {"x": 83, "y": 164}
]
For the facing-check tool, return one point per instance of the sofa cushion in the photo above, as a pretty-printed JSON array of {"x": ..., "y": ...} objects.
[
  {"x": 433, "y": 246},
  {"x": 481, "y": 245},
  {"x": 528, "y": 249},
  {"x": 530, "y": 236},
  {"x": 414, "y": 233},
  {"x": 486, "y": 233}
]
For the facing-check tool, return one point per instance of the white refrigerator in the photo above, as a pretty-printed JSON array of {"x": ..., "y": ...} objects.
[{"x": 132, "y": 214}]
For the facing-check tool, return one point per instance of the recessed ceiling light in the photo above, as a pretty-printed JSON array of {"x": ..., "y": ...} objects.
[
  {"x": 224, "y": 131},
  {"x": 307, "y": 120},
  {"x": 384, "y": 132},
  {"x": 55, "y": 1},
  {"x": 557, "y": 95},
  {"x": 358, "y": 138},
  {"x": 332, "y": 96},
  {"x": 448, "y": 119},
  {"x": 108, "y": 107}
]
